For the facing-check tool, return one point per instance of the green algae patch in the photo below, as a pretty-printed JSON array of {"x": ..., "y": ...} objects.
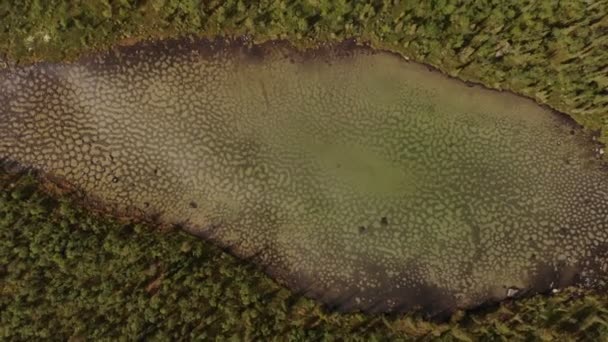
[{"x": 348, "y": 174}]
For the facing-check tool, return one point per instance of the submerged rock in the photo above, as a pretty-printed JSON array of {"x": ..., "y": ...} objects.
[{"x": 353, "y": 176}]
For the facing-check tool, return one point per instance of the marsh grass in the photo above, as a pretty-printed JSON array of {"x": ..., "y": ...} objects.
[{"x": 70, "y": 274}]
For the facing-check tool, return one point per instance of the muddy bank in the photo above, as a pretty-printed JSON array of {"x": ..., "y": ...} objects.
[{"x": 353, "y": 176}]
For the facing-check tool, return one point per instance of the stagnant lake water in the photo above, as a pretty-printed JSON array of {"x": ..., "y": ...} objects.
[{"x": 353, "y": 176}]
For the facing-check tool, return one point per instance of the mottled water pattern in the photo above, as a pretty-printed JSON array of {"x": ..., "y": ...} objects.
[{"x": 356, "y": 177}]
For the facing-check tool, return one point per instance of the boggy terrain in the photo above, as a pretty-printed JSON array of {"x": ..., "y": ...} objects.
[{"x": 351, "y": 175}]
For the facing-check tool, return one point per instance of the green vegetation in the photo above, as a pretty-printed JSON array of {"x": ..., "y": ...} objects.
[
  {"x": 66, "y": 273},
  {"x": 69, "y": 274},
  {"x": 537, "y": 48}
]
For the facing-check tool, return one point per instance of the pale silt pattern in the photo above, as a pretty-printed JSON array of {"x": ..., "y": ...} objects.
[{"x": 358, "y": 178}]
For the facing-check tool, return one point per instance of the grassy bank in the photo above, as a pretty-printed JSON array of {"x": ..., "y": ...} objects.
[{"x": 67, "y": 273}]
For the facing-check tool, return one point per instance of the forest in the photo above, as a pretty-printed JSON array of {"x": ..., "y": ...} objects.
[{"x": 69, "y": 273}]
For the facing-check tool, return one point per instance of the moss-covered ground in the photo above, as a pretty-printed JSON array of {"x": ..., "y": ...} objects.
[{"x": 65, "y": 272}]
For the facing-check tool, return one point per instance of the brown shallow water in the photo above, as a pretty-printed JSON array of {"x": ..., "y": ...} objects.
[{"x": 353, "y": 176}]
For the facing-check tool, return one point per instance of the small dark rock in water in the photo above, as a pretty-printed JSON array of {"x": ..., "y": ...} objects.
[
  {"x": 384, "y": 221},
  {"x": 472, "y": 180}
]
